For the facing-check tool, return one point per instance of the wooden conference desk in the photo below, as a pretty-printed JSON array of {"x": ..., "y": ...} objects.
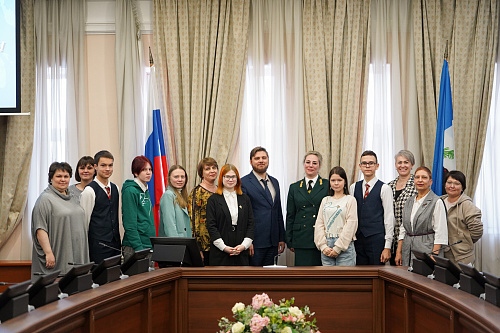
[
  {"x": 357, "y": 299},
  {"x": 14, "y": 271}
]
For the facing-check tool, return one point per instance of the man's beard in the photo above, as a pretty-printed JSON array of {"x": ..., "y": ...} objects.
[{"x": 258, "y": 170}]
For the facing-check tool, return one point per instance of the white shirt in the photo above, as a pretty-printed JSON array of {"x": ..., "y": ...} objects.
[
  {"x": 387, "y": 203},
  {"x": 269, "y": 183},
  {"x": 144, "y": 187},
  {"x": 439, "y": 223},
  {"x": 87, "y": 200},
  {"x": 314, "y": 180},
  {"x": 232, "y": 203}
]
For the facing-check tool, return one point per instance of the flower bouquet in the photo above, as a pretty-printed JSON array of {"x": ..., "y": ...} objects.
[{"x": 265, "y": 316}]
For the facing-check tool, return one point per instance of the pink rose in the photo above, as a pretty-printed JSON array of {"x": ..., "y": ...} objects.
[
  {"x": 289, "y": 318},
  {"x": 259, "y": 301},
  {"x": 257, "y": 323}
]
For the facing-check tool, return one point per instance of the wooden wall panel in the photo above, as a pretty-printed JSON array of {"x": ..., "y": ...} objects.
[
  {"x": 334, "y": 311},
  {"x": 14, "y": 271},
  {"x": 163, "y": 308},
  {"x": 466, "y": 324},
  {"x": 395, "y": 317},
  {"x": 75, "y": 325},
  {"x": 427, "y": 319},
  {"x": 120, "y": 316}
]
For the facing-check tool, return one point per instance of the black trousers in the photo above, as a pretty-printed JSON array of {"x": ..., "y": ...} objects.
[
  {"x": 369, "y": 249},
  {"x": 264, "y": 256}
]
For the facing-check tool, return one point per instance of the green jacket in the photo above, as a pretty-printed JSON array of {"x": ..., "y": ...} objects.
[
  {"x": 301, "y": 212},
  {"x": 137, "y": 216},
  {"x": 174, "y": 220}
]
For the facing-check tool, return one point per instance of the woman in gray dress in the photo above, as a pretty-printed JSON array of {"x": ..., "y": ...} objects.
[
  {"x": 58, "y": 226},
  {"x": 85, "y": 173}
]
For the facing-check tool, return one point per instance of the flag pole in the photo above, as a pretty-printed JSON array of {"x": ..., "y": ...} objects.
[
  {"x": 445, "y": 51},
  {"x": 151, "y": 62}
]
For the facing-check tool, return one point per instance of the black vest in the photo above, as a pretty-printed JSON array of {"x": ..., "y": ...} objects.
[
  {"x": 370, "y": 210},
  {"x": 104, "y": 219}
]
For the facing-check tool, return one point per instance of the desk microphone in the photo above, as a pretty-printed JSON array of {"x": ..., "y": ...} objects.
[
  {"x": 445, "y": 247},
  {"x": 275, "y": 263},
  {"x": 7, "y": 283},
  {"x": 114, "y": 248},
  {"x": 276, "y": 259}
]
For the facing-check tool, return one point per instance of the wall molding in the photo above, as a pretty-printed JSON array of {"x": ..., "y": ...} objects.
[{"x": 100, "y": 18}]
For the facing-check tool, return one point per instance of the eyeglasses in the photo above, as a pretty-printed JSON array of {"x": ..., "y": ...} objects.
[
  {"x": 230, "y": 177},
  {"x": 450, "y": 183},
  {"x": 367, "y": 164}
]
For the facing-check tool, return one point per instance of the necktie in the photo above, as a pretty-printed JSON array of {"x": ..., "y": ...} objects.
[
  {"x": 108, "y": 191},
  {"x": 310, "y": 187},
  {"x": 266, "y": 189},
  {"x": 366, "y": 191}
]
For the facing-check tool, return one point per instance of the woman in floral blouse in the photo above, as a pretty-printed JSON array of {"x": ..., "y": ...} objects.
[{"x": 207, "y": 171}]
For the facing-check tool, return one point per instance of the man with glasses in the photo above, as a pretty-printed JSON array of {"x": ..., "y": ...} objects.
[{"x": 375, "y": 214}]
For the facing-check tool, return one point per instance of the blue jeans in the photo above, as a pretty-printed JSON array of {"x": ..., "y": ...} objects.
[{"x": 345, "y": 258}]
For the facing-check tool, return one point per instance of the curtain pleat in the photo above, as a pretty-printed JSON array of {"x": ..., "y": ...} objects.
[
  {"x": 16, "y": 134},
  {"x": 129, "y": 83},
  {"x": 471, "y": 29},
  {"x": 336, "y": 41},
  {"x": 201, "y": 54},
  {"x": 60, "y": 117}
]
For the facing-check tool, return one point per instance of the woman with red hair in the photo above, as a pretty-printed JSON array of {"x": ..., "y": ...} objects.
[
  {"x": 229, "y": 221},
  {"x": 137, "y": 211}
]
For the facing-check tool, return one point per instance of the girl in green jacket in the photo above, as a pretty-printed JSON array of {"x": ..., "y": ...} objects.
[{"x": 137, "y": 211}]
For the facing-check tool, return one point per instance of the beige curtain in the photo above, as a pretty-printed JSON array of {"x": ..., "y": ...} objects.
[
  {"x": 130, "y": 68},
  {"x": 336, "y": 62},
  {"x": 16, "y": 134},
  {"x": 202, "y": 46},
  {"x": 471, "y": 28}
]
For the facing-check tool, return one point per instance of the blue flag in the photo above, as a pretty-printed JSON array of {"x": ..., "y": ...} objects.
[{"x": 444, "y": 149}]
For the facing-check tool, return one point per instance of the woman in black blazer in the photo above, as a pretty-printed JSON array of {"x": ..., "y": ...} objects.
[{"x": 229, "y": 221}]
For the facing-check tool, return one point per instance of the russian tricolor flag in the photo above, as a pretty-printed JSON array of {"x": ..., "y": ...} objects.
[
  {"x": 444, "y": 149},
  {"x": 155, "y": 148}
]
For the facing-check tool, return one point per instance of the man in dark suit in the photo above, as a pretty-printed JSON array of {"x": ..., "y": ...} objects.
[{"x": 264, "y": 193}]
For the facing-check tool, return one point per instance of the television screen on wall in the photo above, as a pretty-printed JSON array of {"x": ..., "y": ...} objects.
[{"x": 10, "y": 60}]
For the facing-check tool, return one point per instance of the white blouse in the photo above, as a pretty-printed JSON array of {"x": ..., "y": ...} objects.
[
  {"x": 439, "y": 223},
  {"x": 232, "y": 204}
]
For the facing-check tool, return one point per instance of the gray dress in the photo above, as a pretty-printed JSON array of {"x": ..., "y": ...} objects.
[
  {"x": 75, "y": 192},
  {"x": 63, "y": 219}
]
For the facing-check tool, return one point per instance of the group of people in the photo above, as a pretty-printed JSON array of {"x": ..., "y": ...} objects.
[
  {"x": 77, "y": 224},
  {"x": 239, "y": 221},
  {"x": 386, "y": 222}
]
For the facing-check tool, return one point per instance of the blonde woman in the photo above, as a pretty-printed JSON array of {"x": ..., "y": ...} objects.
[{"x": 174, "y": 217}]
